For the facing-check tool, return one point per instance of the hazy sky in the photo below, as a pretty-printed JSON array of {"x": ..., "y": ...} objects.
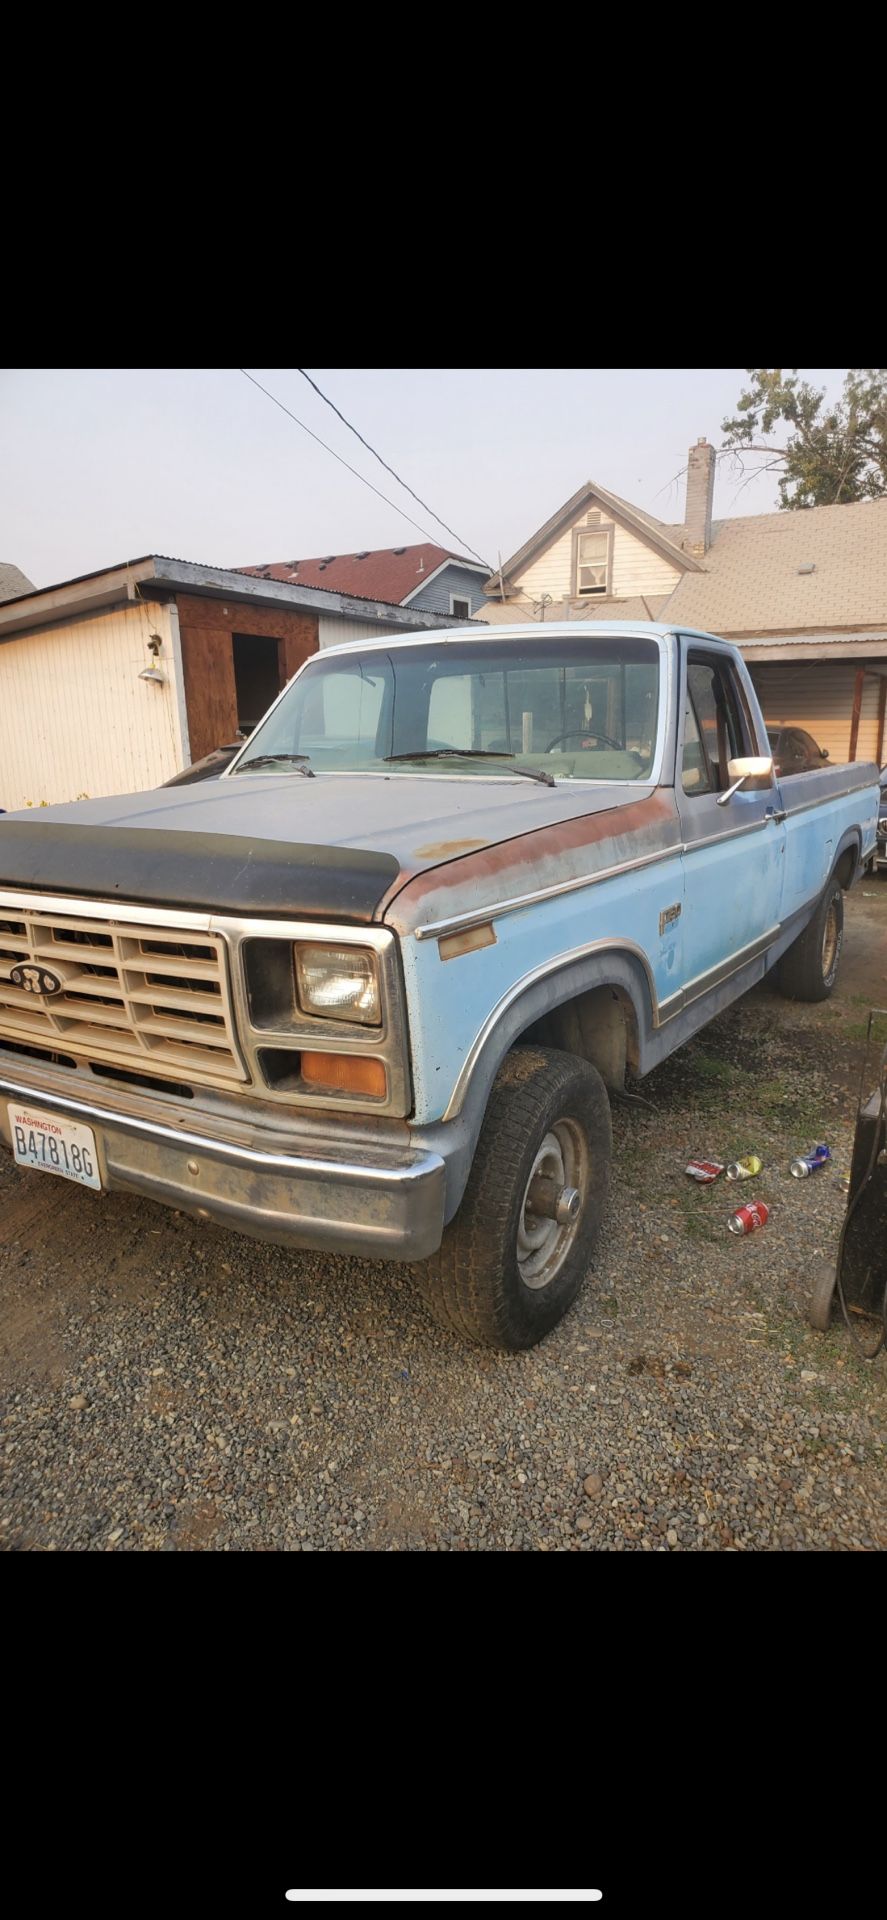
[{"x": 105, "y": 465}]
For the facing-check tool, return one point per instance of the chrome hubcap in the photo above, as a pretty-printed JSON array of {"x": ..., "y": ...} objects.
[{"x": 553, "y": 1203}]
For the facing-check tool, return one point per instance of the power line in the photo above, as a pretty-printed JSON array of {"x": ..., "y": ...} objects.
[
  {"x": 336, "y": 456},
  {"x": 395, "y": 476}
]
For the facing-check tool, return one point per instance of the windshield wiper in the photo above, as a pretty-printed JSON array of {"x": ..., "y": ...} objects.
[
  {"x": 474, "y": 753},
  {"x": 298, "y": 760}
]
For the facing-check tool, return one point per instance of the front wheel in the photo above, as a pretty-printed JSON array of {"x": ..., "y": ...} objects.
[
  {"x": 809, "y": 969},
  {"x": 514, "y": 1257}
]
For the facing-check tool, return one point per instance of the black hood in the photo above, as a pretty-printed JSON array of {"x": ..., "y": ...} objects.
[{"x": 215, "y": 873}]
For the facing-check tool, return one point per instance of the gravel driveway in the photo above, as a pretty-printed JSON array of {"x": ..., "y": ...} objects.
[{"x": 166, "y": 1384}]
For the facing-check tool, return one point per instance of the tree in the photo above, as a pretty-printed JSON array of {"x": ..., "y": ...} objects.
[{"x": 830, "y": 455}]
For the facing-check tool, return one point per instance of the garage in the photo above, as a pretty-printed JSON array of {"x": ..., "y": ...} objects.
[{"x": 825, "y": 697}]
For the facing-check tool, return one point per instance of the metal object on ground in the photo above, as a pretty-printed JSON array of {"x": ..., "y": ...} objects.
[
  {"x": 811, "y": 1162},
  {"x": 745, "y": 1169},
  {"x": 747, "y": 1219},
  {"x": 705, "y": 1171},
  {"x": 860, "y": 1272}
]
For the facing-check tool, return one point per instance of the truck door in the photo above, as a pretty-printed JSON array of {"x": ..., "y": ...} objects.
[{"x": 734, "y": 855}]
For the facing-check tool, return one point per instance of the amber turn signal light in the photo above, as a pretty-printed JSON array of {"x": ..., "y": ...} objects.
[{"x": 345, "y": 1073}]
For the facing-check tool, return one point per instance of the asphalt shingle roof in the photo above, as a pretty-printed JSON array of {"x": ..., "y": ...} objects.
[{"x": 751, "y": 583}]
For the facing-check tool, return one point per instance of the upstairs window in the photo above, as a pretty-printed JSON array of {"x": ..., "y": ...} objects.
[
  {"x": 592, "y": 566},
  {"x": 460, "y": 607}
]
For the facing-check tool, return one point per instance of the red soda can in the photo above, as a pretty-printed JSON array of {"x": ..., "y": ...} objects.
[
  {"x": 746, "y": 1219},
  {"x": 704, "y": 1171}
]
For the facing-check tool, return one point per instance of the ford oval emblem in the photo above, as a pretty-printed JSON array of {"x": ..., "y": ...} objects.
[{"x": 35, "y": 979}]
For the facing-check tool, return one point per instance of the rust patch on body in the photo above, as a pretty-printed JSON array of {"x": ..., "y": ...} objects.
[
  {"x": 446, "y": 849},
  {"x": 515, "y": 866}
]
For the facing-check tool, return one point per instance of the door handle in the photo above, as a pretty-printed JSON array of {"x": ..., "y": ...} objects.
[{"x": 775, "y": 814}]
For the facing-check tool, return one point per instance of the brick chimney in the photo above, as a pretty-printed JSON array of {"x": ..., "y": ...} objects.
[{"x": 700, "y": 495}]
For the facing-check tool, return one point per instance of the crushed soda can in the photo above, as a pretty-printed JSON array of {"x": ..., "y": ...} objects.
[
  {"x": 745, "y": 1169},
  {"x": 705, "y": 1171},
  {"x": 811, "y": 1162},
  {"x": 747, "y": 1219}
]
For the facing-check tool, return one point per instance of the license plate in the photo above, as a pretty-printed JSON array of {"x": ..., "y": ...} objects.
[{"x": 42, "y": 1141}]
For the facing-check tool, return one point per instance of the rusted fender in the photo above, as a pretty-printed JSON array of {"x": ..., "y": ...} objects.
[{"x": 590, "y": 845}]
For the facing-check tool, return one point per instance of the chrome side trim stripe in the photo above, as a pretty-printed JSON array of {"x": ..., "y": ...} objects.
[
  {"x": 458, "y": 922},
  {"x": 731, "y": 833},
  {"x": 344, "y": 1172},
  {"x": 805, "y": 805},
  {"x": 475, "y": 917},
  {"x": 704, "y": 982}
]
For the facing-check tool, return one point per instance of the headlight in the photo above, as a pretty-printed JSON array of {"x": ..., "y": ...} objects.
[{"x": 339, "y": 983}]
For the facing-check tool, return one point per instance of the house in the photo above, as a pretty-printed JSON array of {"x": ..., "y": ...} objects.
[
  {"x": 426, "y": 577},
  {"x": 802, "y": 594},
  {"x": 113, "y": 682}
]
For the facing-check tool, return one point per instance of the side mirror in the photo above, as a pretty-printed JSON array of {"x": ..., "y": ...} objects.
[{"x": 753, "y": 770}]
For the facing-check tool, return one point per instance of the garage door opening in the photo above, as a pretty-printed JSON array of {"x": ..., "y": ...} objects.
[{"x": 257, "y": 677}]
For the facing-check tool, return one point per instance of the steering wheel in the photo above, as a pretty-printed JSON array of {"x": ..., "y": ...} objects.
[{"x": 583, "y": 734}]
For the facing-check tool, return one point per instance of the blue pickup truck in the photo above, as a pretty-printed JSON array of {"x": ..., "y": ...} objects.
[{"x": 369, "y": 990}]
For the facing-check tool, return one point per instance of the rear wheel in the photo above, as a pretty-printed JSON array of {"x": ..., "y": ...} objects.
[
  {"x": 809, "y": 969},
  {"x": 514, "y": 1257}
]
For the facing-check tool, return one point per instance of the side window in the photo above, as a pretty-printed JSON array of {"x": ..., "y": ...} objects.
[
  {"x": 715, "y": 727},
  {"x": 696, "y": 775}
]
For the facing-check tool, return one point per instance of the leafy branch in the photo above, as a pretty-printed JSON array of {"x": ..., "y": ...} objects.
[{"x": 830, "y": 454}]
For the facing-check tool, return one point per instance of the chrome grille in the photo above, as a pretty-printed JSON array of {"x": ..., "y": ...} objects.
[{"x": 130, "y": 994}]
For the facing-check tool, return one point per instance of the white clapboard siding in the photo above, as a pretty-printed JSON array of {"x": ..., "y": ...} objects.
[
  {"x": 76, "y": 719},
  {"x": 336, "y": 630},
  {"x": 637, "y": 568},
  {"x": 818, "y": 696}
]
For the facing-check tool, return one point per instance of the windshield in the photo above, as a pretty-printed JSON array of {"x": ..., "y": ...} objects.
[{"x": 578, "y": 709}]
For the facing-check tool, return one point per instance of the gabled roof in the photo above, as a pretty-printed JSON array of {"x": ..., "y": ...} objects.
[
  {"x": 655, "y": 532},
  {"x": 157, "y": 573},
  {"x": 757, "y": 577},
  {"x": 388, "y": 573}
]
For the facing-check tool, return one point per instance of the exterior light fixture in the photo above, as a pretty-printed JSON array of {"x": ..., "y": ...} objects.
[{"x": 153, "y": 672}]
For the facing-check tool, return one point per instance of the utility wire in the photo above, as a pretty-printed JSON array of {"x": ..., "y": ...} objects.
[
  {"x": 395, "y": 476},
  {"x": 336, "y": 456}
]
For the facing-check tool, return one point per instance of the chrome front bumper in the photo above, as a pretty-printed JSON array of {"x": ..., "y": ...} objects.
[{"x": 381, "y": 1203}]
